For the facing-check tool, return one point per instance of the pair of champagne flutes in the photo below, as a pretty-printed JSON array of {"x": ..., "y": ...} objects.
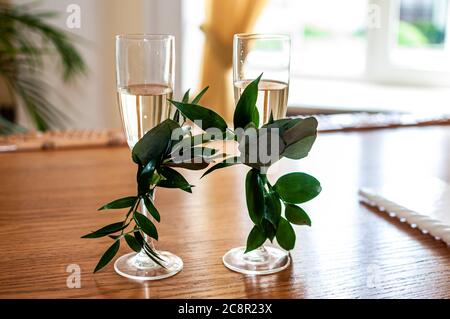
[{"x": 145, "y": 72}]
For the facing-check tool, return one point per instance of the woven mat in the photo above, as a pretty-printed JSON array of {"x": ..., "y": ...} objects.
[{"x": 35, "y": 141}]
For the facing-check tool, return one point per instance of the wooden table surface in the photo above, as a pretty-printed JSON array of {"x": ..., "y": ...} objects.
[{"x": 49, "y": 199}]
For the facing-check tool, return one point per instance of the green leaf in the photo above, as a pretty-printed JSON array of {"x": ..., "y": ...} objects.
[
  {"x": 154, "y": 143},
  {"x": 195, "y": 112},
  {"x": 133, "y": 243},
  {"x": 246, "y": 111},
  {"x": 186, "y": 97},
  {"x": 285, "y": 235},
  {"x": 298, "y": 135},
  {"x": 296, "y": 215},
  {"x": 176, "y": 116},
  {"x": 199, "y": 96},
  {"x": 269, "y": 229},
  {"x": 226, "y": 163},
  {"x": 173, "y": 179},
  {"x": 138, "y": 236},
  {"x": 254, "y": 193},
  {"x": 153, "y": 255},
  {"x": 120, "y": 203},
  {"x": 282, "y": 124},
  {"x": 303, "y": 128},
  {"x": 147, "y": 249},
  {"x": 104, "y": 231},
  {"x": 255, "y": 239},
  {"x": 272, "y": 208},
  {"x": 297, "y": 188},
  {"x": 299, "y": 149},
  {"x": 256, "y": 148},
  {"x": 108, "y": 256},
  {"x": 151, "y": 208},
  {"x": 145, "y": 177},
  {"x": 146, "y": 225}
]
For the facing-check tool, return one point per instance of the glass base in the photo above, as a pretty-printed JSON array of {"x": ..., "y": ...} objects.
[
  {"x": 262, "y": 261},
  {"x": 138, "y": 266}
]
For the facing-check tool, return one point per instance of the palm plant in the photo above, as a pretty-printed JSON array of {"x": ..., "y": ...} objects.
[{"x": 26, "y": 40}]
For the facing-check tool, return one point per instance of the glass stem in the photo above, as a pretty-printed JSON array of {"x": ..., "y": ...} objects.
[
  {"x": 147, "y": 238},
  {"x": 142, "y": 260},
  {"x": 259, "y": 255},
  {"x": 261, "y": 250}
]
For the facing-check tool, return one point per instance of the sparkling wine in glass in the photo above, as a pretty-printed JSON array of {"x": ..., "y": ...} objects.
[
  {"x": 143, "y": 106},
  {"x": 145, "y": 79},
  {"x": 254, "y": 54},
  {"x": 272, "y": 97}
]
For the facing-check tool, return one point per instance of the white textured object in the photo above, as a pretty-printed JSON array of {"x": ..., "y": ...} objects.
[{"x": 423, "y": 203}]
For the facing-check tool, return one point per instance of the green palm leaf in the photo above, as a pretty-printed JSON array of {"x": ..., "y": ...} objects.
[{"x": 26, "y": 38}]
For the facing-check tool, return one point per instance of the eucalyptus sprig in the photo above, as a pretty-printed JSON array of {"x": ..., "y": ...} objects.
[
  {"x": 155, "y": 157},
  {"x": 272, "y": 208}
]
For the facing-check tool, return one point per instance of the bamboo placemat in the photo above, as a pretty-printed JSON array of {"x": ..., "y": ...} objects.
[{"x": 34, "y": 141}]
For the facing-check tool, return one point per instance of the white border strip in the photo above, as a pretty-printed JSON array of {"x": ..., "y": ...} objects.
[{"x": 427, "y": 224}]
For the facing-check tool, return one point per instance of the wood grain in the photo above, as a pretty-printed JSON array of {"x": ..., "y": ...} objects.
[{"x": 49, "y": 199}]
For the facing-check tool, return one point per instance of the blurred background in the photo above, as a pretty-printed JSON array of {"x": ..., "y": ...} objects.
[{"x": 347, "y": 56}]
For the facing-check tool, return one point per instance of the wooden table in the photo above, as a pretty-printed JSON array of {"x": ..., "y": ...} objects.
[{"x": 49, "y": 199}]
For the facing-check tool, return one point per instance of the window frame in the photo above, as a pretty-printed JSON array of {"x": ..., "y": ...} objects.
[{"x": 381, "y": 47}]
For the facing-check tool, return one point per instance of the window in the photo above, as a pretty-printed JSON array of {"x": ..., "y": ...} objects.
[
  {"x": 328, "y": 37},
  {"x": 353, "y": 54},
  {"x": 338, "y": 39},
  {"x": 411, "y": 46},
  {"x": 422, "y": 35}
]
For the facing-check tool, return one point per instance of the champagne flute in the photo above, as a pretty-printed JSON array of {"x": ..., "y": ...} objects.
[
  {"x": 145, "y": 79},
  {"x": 254, "y": 54}
]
